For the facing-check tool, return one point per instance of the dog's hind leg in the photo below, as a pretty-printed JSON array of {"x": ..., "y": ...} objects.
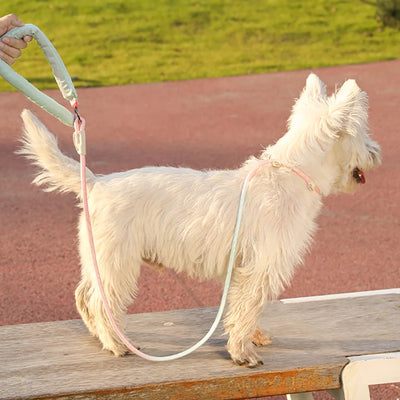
[
  {"x": 120, "y": 288},
  {"x": 82, "y": 297},
  {"x": 104, "y": 328}
]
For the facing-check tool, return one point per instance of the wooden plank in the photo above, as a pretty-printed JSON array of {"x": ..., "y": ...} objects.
[
  {"x": 278, "y": 382},
  {"x": 310, "y": 344}
]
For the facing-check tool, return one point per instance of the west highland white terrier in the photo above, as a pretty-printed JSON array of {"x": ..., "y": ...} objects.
[{"x": 184, "y": 219}]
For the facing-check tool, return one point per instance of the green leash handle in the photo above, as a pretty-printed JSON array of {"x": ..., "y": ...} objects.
[{"x": 60, "y": 74}]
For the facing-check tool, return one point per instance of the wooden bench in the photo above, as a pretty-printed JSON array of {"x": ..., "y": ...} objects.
[{"x": 312, "y": 340}]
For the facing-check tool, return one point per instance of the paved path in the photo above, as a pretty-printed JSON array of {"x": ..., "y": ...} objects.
[{"x": 212, "y": 123}]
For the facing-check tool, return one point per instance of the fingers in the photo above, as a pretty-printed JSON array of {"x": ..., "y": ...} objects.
[
  {"x": 10, "y": 49},
  {"x": 8, "y": 54},
  {"x": 14, "y": 43}
]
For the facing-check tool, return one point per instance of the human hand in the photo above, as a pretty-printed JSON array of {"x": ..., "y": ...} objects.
[{"x": 10, "y": 48}]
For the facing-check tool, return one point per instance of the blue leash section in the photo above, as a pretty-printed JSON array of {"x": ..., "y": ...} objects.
[{"x": 60, "y": 74}]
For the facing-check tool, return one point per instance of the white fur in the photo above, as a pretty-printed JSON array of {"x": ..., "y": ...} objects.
[{"x": 184, "y": 219}]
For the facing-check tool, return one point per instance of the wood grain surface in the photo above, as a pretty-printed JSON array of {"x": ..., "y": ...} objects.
[{"x": 310, "y": 342}]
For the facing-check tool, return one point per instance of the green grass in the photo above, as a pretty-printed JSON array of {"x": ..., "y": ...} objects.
[{"x": 113, "y": 42}]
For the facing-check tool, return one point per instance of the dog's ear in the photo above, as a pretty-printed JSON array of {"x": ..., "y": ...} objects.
[
  {"x": 348, "y": 94},
  {"x": 313, "y": 94},
  {"x": 348, "y": 108},
  {"x": 314, "y": 88}
]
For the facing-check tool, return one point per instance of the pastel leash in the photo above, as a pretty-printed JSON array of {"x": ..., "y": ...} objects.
[
  {"x": 66, "y": 117},
  {"x": 67, "y": 89}
]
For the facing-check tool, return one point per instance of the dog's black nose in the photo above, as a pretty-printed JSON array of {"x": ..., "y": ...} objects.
[{"x": 359, "y": 176}]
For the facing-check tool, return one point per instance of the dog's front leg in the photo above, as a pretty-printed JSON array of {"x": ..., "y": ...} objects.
[{"x": 246, "y": 299}]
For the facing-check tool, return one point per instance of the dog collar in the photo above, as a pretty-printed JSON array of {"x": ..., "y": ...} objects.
[{"x": 311, "y": 186}]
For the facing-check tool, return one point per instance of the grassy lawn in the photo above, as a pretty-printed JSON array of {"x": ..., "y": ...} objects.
[{"x": 114, "y": 42}]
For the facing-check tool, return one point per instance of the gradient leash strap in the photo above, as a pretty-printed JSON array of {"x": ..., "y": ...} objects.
[{"x": 75, "y": 120}]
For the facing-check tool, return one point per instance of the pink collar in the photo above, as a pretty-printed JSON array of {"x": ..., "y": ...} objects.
[{"x": 309, "y": 182}]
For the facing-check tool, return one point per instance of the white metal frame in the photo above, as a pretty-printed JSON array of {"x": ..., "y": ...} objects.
[
  {"x": 374, "y": 369},
  {"x": 361, "y": 371},
  {"x": 339, "y": 296}
]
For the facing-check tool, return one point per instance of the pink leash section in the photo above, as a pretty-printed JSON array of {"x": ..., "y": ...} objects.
[
  {"x": 79, "y": 141},
  {"x": 80, "y": 145}
]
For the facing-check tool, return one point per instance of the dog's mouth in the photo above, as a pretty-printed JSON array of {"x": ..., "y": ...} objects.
[{"x": 359, "y": 176}]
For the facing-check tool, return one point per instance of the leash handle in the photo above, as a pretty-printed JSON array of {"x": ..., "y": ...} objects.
[{"x": 61, "y": 75}]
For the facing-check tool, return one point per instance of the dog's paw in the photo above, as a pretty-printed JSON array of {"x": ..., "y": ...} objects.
[
  {"x": 118, "y": 351},
  {"x": 245, "y": 355},
  {"x": 249, "y": 360},
  {"x": 259, "y": 339},
  {"x": 117, "y": 348}
]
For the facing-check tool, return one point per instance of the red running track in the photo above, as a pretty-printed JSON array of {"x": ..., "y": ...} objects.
[{"x": 211, "y": 123}]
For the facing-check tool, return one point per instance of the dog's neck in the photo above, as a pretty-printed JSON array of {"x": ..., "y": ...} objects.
[{"x": 316, "y": 165}]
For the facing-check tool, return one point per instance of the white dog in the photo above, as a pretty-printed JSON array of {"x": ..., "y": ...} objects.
[{"x": 184, "y": 219}]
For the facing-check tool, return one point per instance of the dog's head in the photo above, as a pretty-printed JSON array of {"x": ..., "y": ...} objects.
[
  {"x": 354, "y": 151},
  {"x": 335, "y": 130}
]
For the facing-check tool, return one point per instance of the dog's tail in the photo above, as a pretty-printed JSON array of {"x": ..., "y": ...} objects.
[{"x": 56, "y": 170}]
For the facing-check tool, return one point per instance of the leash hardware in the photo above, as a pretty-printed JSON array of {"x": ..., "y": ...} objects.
[
  {"x": 276, "y": 164},
  {"x": 79, "y": 136},
  {"x": 79, "y": 139},
  {"x": 77, "y": 115},
  {"x": 75, "y": 105},
  {"x": 310, "y": 186}
]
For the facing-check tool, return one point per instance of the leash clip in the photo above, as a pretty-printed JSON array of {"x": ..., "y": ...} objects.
[
  {"x": 77, "y": 115},
  {"x": 74, "y": 104},
  {"x": 79, "y": 136}
]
